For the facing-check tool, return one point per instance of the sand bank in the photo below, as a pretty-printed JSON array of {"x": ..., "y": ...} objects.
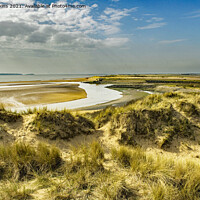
[
  {"x": 62, "y": 95},
  {"x": 33, "y": 94},
  {"x": 96, "y": 94}
]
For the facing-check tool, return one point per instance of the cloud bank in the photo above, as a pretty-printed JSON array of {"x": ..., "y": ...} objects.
[{"x": 58, "y": 28}]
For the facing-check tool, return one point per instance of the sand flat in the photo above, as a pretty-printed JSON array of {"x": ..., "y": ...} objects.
[{"x": 34, "y": 94}]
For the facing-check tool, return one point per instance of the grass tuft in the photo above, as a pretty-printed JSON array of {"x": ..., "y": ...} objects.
[
  {"x": 15, "y": 191},
  {"x": 8, "y": 116},
  {"x": 169, "y": 179},
  {"x": 21, "y": 161},
  {"x": 61, "y": 124},
  {"x": 90, "y": 157}
]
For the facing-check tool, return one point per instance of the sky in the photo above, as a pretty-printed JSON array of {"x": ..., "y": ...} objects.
[{"x": 105, "y": 37}]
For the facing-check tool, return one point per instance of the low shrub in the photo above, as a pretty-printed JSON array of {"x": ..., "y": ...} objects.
[
  {"x": 8, "y": 116},
  {"x": 189, "y": 108},
  {"x": 61, "y": 124}
]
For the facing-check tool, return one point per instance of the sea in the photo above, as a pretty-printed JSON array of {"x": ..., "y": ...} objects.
[{"x": 43, "y": 77}]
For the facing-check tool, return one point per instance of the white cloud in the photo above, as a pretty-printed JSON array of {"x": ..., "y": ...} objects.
[
  {"x": 58, "y": 19},
  {"x": 155, "y": 19},
  {"x": 11, "y": 29},
  {"x": 94, "y": 5},
  {"x": 148, "y": 14},
  {"x": 152, "y": 26},
  {"x": 60, "y": 29},
  {"x": 99, "y": 43},
  {"x": 66, "y": 37},
  {"x": 171, "y": 41},
  {"x": 42, "y": 35},
  {"x": 112, "y": 14},
  {"x": 195, "y": 14},
  {"x": 111, "y": 19},
  {"x": 115, "y": 42},
  {"x": 17, "y": 1}
]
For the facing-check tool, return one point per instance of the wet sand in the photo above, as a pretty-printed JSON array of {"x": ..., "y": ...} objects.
[
  {"x": 59, "y": 95},
  {"x": 128, "y": 95},
  {"x": 16, "y": 95},
  {"x": 96, "y": 94}
]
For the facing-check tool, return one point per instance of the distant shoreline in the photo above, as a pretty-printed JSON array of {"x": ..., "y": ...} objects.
[
  {"x": 16, "y": 78},
  {"x": 10, "y": 74}
]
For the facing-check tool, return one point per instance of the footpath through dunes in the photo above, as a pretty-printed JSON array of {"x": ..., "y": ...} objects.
[{"x": 148, "y": 149}]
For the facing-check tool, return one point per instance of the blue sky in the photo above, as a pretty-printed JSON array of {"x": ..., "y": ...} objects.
[{"x": 108, "y": 36}]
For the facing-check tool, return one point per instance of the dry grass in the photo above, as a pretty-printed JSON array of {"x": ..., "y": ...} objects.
[
  {"x": 168, "y": 178},
  {"x": 159, "y": 117},
  {"x": 61, "y": 124},
  {"x": 107, "y": 170},
  {"x": 136, "y": 174},
  {"x": 8, "y": 116},
  {"x": 20, "y": 161},
  {"x": 86, "y": 177},
  {"x": 14, "y": 191}
]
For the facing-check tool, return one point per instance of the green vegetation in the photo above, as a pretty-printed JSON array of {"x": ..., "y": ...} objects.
[
  {"x": 81, "y": 175},
  {"x": 168, "y": 178},
  {"x": 135, "y": 153},
  {"x": 55, "y": 124},
  {"x": 15, "y": 191},
  {"x": 8, "y": 116},
  {"x": 90, "y": 157},
  {"x": 157, "y": 117},
  {"x": 84, "y": 174},
  {"x": 146, "y": 81},
  {"x": 20, "y": 161},
  {"x": 189, "y": 108}
]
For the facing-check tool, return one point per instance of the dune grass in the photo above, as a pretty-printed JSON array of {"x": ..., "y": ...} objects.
[
  {"x": 168, "y": 178},
  {"x": 81, "y": 176},
  {"x": 84, "y": 175},
  {"x": 107, "y": 172},
  {"x": 160, "y": 117},
  {"x": 8, "y": 116},
  {"x": 61, "y": 124},
  {"x": 17, "y": 191},
  {"x": 20, "y": 161},
  {"x": 90, "y": 157}
]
